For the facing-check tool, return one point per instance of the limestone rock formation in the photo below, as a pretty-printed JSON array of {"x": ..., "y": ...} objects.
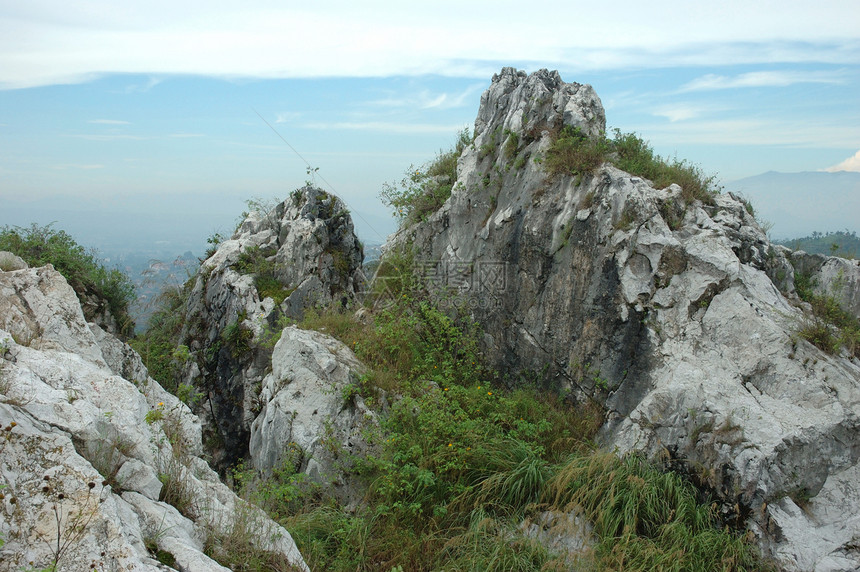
[
  {"x": 95, "y": 457},
  {"x": 313, "y": 415},
  {"x": 675, "y": 312},
  {"x": 831, "y": 276},
  {"x": 299, "y": 254}
]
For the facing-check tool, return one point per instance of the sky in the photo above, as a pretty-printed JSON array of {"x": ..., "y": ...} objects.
[{"x": 153, "y": 123}]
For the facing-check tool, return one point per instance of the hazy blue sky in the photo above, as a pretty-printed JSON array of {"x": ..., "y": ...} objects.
[{"x": 134, "y": 116}]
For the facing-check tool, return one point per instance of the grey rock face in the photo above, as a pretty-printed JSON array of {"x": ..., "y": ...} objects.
[
  {"x": 82, "y": 448},
  {"x": 307, "y": 251},
  {"x": 680, "y": 317},
  {"x": 831, "y": 276},
  {"x": 313, "y": 415}
]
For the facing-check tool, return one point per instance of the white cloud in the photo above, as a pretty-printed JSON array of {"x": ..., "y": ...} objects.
[
  {"x": 91, "y": 137},
  {"x": 678, "y": 112},
  {"x": 108, "y": 122},
  {"x": 753, "y": 131},
  {"x": 850, "y": 164},
  {"x": 66, "y": 166},
  {"x": 426, "y": 100},
  {"x": 388, "y": 127},
  {"x": 287, "y": 116},
  {"x": 264, "y": 39},
  {"x": 762, "y": 79}
]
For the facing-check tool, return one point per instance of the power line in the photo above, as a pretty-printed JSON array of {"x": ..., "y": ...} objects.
[{"x": 315, "y": 172}]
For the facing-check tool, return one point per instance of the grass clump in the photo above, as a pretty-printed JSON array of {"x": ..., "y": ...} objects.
[
  {"x": 245, "y": 544},
  {"x": 646, "y": 519},
  {"x": 424, "y": 189},
  {"x": 572, "y": 152},
  {"x": 637, "y": 157},
  {"x": 40, "y": 245},
  {"x": 575, "y": 153},
  {"x": 257, "y": 262}
]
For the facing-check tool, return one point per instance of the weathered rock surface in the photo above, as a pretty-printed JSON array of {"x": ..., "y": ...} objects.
[
  {"x": 313, "y": 416},
  {"x": 831, "y": 276},
  {"x": 9, "y": 262},
  {"x": 304, "y": 250},
  {"x": 680, "y": 316},
  {"x": 86, "y": 453}
]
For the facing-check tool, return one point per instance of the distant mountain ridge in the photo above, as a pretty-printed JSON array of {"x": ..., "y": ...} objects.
[{"x": 799, "y": 204}]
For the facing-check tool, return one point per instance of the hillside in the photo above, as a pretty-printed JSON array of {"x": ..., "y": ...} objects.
[{"x": 572, "y": 355}]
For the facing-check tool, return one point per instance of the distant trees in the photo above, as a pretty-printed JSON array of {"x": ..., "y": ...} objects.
[{"x": 833, "y": 243}]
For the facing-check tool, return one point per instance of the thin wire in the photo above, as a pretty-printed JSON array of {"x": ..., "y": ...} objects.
[{"x": 315, "y": 173}]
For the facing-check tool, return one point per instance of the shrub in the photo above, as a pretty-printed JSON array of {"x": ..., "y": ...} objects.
[
  {"x": 424, "y": 189},
  {"x": 462, "y": 461},
  {"x": 635, "y": 155},
  {"x": 574, "y": 153},
  {"x": 40, "y": 245},
  {"x": 255, "y": 261}
]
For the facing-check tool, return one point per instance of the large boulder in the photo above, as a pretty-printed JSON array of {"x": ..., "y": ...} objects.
[
  {"x": 99, "y": 469},
  {"x": 676, "y": 312},
  {"x": 299, "y": 254},
  {"x": 313, "y": 414}
]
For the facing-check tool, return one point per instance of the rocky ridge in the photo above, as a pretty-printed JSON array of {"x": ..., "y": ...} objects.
[
  {"x": 92, "y": 448},
  {"x": 298, "y": 254},
  {"x": 678, "y": 314}
]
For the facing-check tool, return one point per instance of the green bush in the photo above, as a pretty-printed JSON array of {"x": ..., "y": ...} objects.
[
  {"x": 575, "y": 153},
  {"x": 255, "y": 261},
  {"x": 40, "y": 245},
  {"x": 424, "y": 189},
  {"x": 572, "y": 152},
  {"x": 635, "y": 155}
]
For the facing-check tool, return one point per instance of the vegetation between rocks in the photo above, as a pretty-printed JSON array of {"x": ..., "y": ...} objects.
[
  {"x": 424, "y": 189},
  {"x": 830, "y": 328},
  {"x": 463, "y": 462},
  {"x": 572, "y": 152}
]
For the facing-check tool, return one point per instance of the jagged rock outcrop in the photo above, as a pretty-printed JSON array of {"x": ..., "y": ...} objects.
[
  {"x": 831, "y": 276},
  {"x": 313, "y": 415},
  {"x": 299, "y": 254},
  {"x": 91, "y": 449},
  {"x": 678, "y": 314}
]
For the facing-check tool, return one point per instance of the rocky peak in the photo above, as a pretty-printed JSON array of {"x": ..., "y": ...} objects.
[
  {"x": 672, "y": 309},
  {"x": 298, "y": 254},
  {"x": 527, "y": 104}
]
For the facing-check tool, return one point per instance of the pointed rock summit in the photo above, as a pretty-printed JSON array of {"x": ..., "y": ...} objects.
[{"x": 282, "y": 260}]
